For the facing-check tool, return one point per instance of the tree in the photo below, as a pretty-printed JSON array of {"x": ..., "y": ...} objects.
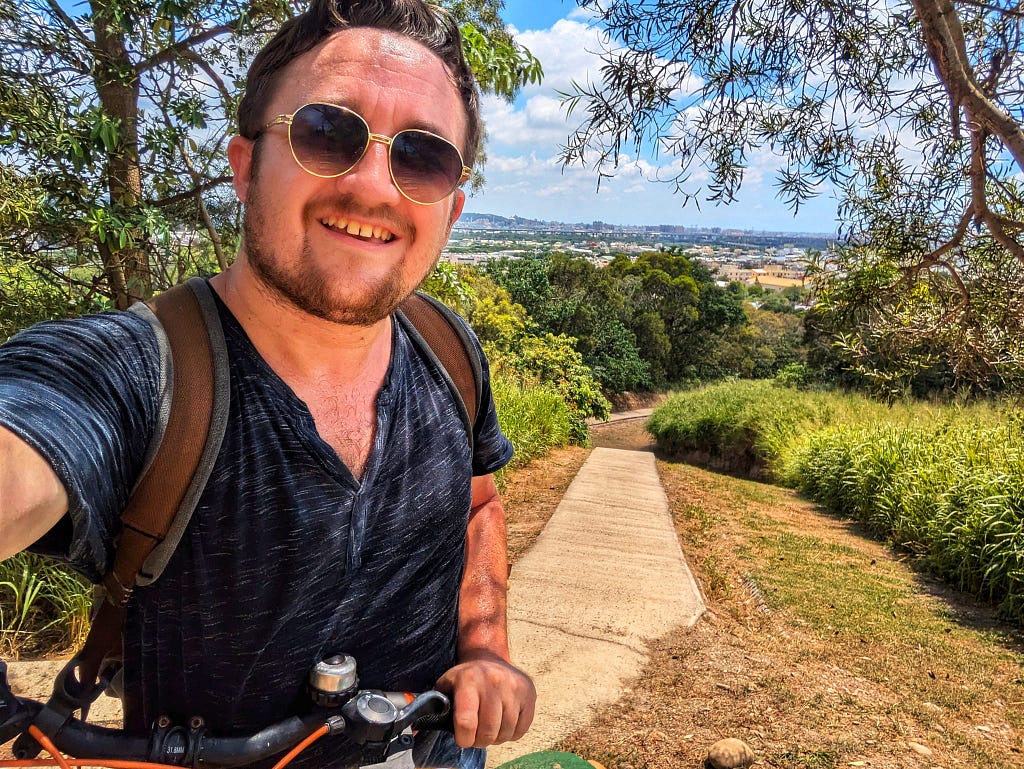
[
  {"x": 911, "y": 110},
  {"x": 113, "y": 124}
]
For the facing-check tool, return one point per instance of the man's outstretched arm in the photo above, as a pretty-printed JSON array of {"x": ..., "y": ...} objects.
[
  {"x": 32, "y": 498},
  {"x": 493, "y": 700}
]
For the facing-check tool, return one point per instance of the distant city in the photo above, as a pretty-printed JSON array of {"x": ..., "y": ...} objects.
[
  {"x": 670, "y": 232},
  {"x": 773, "y": 260}
]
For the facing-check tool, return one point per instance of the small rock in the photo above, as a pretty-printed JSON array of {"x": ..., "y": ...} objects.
[
  {"x": 931, "y": 707},
  {"x": 917, "y": 747},
  {"x": 730, "y": 754}
]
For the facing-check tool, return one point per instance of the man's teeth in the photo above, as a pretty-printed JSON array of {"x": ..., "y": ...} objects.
[{"x": 357, "y": 228}]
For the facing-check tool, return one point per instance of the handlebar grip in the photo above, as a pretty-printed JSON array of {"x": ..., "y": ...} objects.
[{"x": 441, "y": 723}]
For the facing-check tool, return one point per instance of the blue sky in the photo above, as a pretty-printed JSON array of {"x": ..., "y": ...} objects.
[{"x": 525, "y": 178}]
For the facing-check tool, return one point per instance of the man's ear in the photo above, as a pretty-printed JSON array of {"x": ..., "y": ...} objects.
[
  {"x": 457, "y": 205},
  {"x": 240, "y": 152}
]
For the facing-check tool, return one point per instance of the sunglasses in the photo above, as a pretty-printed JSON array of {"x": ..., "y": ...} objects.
[{"x": 327, "y": 141}]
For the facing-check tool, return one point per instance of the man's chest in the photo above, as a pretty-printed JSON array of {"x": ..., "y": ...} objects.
[{"x": 346, "y": 420}]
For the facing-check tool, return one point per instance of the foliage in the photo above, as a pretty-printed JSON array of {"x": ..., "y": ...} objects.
[
  {"x": 911, "y": 111},
  {"x": 551, "y": 362},
  {"x": 43, "y": 606},
  {"x": 638, "y": 323},
  {"x": 535, "y": 419},
  {"x": 522, "y": 360},
  {"x": 767, "y": 343},
  {"x": 114, "y": 117},
  {"x": 893, "y": 331},
  {"x": 942, "y": 483},
  {"x": 31, "y": 292},
  {"x": 744, "y": 423}
]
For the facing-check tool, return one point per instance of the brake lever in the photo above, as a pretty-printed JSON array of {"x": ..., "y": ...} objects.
[{"x": 426, "y": 711}]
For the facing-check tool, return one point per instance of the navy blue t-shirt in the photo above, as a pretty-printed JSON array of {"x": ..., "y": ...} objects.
[{"x": 287, "y": 557}]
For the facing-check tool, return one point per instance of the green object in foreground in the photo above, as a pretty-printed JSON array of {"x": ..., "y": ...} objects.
[{"x": 548, "y": 759}]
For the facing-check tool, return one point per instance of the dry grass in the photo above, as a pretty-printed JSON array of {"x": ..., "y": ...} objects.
[{"x": 821, "y": 648}]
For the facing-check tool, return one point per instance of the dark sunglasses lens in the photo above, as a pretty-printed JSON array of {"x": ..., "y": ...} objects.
[
  {"x": 425, "y": 167},
  {"x": 327, "y": 140}
]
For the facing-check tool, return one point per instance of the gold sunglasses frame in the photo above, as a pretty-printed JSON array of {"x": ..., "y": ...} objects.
[{"x": 387, "y": 141}]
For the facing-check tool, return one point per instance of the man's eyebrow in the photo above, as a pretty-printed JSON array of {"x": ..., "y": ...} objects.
[
  {"x": 419, "y": 125},
  {"x": 422, "y": 125}
]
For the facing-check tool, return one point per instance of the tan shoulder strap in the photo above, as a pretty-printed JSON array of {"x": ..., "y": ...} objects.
[
  {"x": 439, "y": 330},
  {"x": 155, "y": 501}
]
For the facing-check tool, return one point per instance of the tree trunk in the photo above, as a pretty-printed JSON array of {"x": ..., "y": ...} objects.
[{"x": 117, "y": 83}]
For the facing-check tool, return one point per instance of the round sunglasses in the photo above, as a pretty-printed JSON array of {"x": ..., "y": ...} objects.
[{"x": 328, "y": 140}]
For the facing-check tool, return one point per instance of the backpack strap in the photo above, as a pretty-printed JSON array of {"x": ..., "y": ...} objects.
[
  {"x": 439, "y": 333},
  {"x": 194, "y": 404}
]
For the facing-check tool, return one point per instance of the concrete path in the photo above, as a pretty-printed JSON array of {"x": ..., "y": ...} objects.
[
  {"x": 605, "y": 577},
  {"x": 619, "y": 416}
]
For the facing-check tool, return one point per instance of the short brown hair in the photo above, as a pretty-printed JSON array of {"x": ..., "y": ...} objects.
[{"x": 427, "y": 24}]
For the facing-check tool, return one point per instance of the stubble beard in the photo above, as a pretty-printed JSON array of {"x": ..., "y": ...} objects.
[{"x": 306, "y": 287}]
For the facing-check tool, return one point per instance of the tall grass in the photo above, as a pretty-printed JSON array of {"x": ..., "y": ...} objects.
[
  {"x": 944, "y": 483},
  {"x": 534, "y": 419},
  {"x": 44, "y": 607}
]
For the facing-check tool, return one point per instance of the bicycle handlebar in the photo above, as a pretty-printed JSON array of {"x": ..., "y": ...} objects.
[{"x": 369, "y": 719}]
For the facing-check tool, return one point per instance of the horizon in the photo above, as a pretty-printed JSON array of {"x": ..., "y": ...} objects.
[{"x": 622, "y": 225}]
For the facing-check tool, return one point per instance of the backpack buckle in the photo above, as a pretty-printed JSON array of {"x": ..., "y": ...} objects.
[{"x": 116, "y": 593}]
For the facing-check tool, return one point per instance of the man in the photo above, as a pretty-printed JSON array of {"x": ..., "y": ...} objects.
[{"x": 344, "y": 512}]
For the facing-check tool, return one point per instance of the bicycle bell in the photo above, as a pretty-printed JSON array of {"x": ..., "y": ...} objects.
[{"x": 333, "y": 680}]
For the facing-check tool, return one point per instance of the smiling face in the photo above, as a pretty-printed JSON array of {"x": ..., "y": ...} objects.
[{"x": 348, "y": 249}]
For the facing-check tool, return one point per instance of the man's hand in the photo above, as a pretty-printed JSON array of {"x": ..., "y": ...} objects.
[{"x": 493, "y": 701}]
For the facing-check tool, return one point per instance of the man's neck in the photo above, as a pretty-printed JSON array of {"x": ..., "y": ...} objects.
[{"x": 295, "y": 342}]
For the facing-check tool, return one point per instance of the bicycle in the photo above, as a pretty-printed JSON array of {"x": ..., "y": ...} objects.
[{"x": 378, "y": 727}]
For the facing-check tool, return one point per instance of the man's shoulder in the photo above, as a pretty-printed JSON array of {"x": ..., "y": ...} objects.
[
  {"x": 113, "y": 325},
  {"x": 89, "y": 342}
]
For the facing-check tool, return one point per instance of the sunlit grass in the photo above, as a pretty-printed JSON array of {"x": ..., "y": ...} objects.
[
  {"x": 945, "y": 483},
  {"x": 44, "y": 607}
]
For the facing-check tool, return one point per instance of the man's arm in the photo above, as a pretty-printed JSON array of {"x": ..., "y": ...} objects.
[
  {"x": 493, "y": 700},
  {"x": 32, "y": 498}
]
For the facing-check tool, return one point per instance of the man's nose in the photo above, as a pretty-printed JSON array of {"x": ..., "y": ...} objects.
[{"x": 371, "y": 175}]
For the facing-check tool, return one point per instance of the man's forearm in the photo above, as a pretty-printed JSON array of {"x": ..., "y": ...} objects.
[
  {"x": 493, "y": 700},
  {"x": 483, "y": 627},
  {"x": 32, "y": 499}
]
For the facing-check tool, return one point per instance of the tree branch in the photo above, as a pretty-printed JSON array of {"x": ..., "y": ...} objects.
[
  {"x": 204, "y": 65},
  {"x": 204, "y": 187},
  {"x": 73, "y": 28},
  {"x": 181, "y": 46},
  {"x": 1012, "y": 12},
  {"x": 944, "y": 37}
]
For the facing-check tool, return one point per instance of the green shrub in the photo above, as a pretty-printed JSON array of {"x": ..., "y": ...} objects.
[
  {"x": 535, "y": 419},
  {"x": 551, "y": 363},
  {"x": 44, "y": 607},
  {"x": 946, "y": 484}
]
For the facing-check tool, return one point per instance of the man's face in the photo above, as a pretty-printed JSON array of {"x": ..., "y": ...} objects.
[{"x": 296, "y": 227}]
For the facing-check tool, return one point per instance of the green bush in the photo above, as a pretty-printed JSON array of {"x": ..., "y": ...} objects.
[
  {"x": 535, "y": 419},
  {"x": 551, "y": 363},
  {"x": 44, "y": 607},
  {"x": 749, "y": 423},
  {"x": 946, "y": 484}
]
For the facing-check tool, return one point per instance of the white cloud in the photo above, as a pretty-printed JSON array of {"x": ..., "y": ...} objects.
[
  {"x": 525, "y": 177},
  {"x": 569, "y": 51}
]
